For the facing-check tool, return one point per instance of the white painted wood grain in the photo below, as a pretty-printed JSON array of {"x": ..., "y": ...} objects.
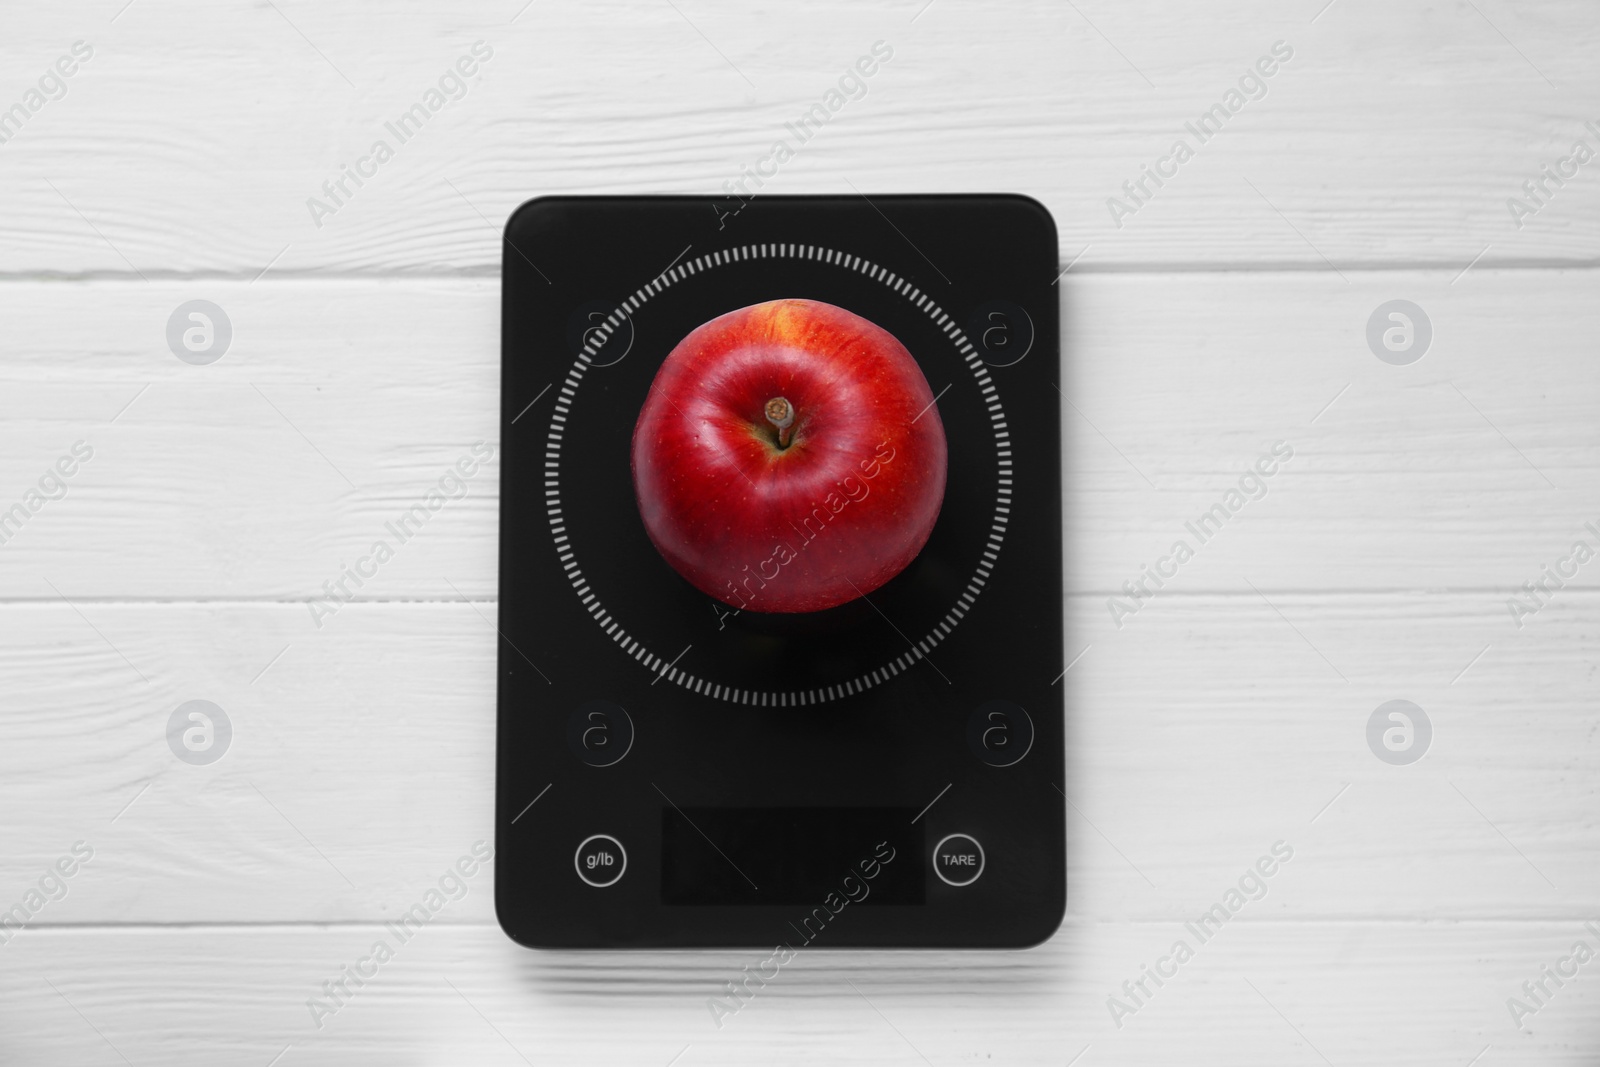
[
  {"x": 1473, "y": 468},
  {"x": 193, "y": 139},
  {"x": 1260, "y": 993}
]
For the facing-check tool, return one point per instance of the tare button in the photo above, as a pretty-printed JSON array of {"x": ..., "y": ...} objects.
[
  {"x": 600, "y": 860},
  {"x": 958, "y": 859}
]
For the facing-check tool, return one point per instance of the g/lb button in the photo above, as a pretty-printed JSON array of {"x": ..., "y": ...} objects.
[
  {"x": 600, "y": 860},
  {"x": 958, "y": 860}
]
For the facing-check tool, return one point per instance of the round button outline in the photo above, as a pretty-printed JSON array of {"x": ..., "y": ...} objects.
[
  {"x": 620, "y": 871},
  {"x": 982, "y": 860},
  {"x": 975, "y": 735}
]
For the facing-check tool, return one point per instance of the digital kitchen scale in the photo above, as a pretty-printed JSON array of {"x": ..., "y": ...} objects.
[{"x": 673, "y": 772}]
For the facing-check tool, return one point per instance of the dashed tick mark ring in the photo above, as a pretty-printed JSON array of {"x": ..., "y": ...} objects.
[{"x": 664, "y": 666}]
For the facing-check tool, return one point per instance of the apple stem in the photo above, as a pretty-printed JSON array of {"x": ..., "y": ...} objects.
[{"x": 781, "y": 414}]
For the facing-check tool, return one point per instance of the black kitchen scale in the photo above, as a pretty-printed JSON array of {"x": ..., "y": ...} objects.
[{"x": 673, "y": 772}]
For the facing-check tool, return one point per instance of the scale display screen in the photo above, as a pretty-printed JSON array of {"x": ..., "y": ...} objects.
[{"x": 791, "y": 856}]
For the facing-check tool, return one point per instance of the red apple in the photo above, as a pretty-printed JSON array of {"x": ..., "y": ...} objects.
[{"x": 789, "y": 457}]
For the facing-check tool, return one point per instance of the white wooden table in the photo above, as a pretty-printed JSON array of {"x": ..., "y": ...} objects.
[{"x": 1228, "y": 312}]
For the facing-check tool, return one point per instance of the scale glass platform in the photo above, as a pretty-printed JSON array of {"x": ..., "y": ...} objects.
[{"x": 673, "y": 772}]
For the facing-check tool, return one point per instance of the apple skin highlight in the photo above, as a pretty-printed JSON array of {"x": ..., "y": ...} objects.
[{"x": 832, "y": 514}]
